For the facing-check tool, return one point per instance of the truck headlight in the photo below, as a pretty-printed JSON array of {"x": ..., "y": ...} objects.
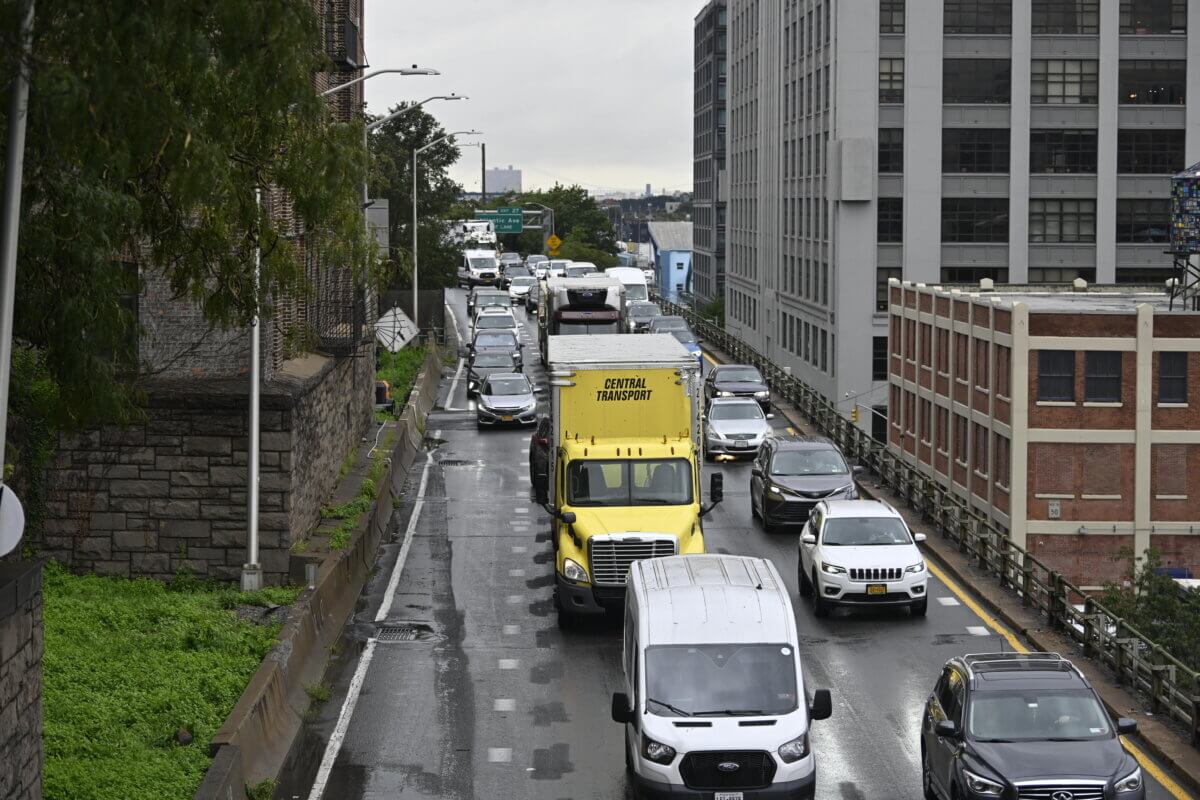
[
  {"x": 833, "y": 569},
  {"x": 981, "y": 785},
  {"x": 794, "y": 750},
  {"x": 574, "y": 572},
  {"x": 657, "y": 752},
  {"x": 915, "y": 568},
  {"x": 1131, "y": 782}
]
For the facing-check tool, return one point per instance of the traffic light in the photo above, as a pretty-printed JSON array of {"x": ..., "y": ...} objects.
[{"x": 854, "y": 414}]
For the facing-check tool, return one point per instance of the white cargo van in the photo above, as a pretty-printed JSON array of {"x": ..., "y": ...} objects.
[
  {"x": 634, "y": 280},
  {"x": 714, "y": 702}
]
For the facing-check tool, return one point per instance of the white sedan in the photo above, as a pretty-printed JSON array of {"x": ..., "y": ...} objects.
[{"x": 519, "y": 287}]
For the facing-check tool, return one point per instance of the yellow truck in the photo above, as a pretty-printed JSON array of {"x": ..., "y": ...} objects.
[{"x": 624, "y": 467}]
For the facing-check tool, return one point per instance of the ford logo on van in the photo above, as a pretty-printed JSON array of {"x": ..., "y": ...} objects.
[{"x": 729, "y": 766}]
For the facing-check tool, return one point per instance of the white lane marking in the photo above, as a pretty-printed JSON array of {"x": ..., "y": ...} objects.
[
  {"x": 454, "y": 319},
  {"x": 394, "y": 580},
  {"x": 504, "y": 704},
  {"x": 519, "y": 548},
  {"x": 454, "y": 385},
  {"x": 499, "y": 755},
  {"x": 508, "y": 663},
  {"x": 520, "y": 510},
  {"x": 512, "y": 630},
  {"x": 516, "y": 573},
  {"x": 523, "y": 478},
  {"x": 516, "y": 599},
  {"x": 949, "y": 601},
  {"x": 343, "y": 724},
  {"x": 978, "y": 630}
]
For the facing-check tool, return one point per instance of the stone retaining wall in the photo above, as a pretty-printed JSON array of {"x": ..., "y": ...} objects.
[{"x": 21, "y": 642}]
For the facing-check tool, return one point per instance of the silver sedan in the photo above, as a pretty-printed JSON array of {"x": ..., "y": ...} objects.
[{"x": 735, "y": 426}]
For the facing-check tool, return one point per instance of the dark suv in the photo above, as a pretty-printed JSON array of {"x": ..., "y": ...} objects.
[
  {"x": 793, "y": 473},
  {"x": 1020, "y": 726}
]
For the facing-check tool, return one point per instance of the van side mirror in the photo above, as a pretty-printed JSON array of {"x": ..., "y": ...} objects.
[
  {"x": 946, "y": 728},
  {"x": 1126, "y": 726},
  {"x": 621, "y": 711},
  {"x": 822, "y": 705},
  {"x": 716, "y": 487}
]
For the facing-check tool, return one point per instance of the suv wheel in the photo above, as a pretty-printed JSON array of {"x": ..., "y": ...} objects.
[
  {"x": 919, "y": 608},
  {"x": 806, "y": 587},
  {"x": 819, "y": 603},
  {"x": 926, "y": 777}
]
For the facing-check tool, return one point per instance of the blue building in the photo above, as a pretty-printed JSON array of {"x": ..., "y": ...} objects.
[{"x": 672, "y": 245}]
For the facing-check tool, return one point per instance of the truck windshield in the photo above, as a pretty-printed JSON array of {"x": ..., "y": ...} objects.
[
  {"x": 652, "y": 482},
  {"x": 584, "y": 328},
  {"x": 720, "y": 680}
]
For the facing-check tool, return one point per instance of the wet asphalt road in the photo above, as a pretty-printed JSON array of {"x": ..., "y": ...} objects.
[{"x": 494, "y": 701}]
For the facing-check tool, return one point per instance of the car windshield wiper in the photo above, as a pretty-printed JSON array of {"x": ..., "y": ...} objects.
[
  {"x": 669, "y": 707},
  {"x": 732, "y": 712}
]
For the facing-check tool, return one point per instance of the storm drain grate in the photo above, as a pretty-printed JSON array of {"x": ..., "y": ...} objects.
[{"x": 397, "y": 633}]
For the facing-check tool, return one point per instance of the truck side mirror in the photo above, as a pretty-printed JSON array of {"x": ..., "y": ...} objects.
[
  {"x": 567, "y": 517},
  {"x": 621, "y": 712},
  {"x": 822, "y": 705},
  {"x": 716, "y": 487}
]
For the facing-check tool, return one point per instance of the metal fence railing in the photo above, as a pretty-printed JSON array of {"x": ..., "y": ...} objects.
[{"x": 1173, "y": 688}]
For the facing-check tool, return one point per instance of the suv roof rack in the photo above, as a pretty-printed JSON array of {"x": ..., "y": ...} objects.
[{"x": 1010, "y": 661}]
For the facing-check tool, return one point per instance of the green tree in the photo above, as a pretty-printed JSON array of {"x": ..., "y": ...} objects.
[
  {"x": 392, "y": 146},
  {"x": 1156, "y": 607}
]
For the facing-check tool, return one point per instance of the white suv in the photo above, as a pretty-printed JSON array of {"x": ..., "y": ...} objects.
[{"x": 861, "y": 553}]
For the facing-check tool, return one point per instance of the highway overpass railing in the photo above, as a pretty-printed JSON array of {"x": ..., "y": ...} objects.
[{"x": 1136, "y": 662}]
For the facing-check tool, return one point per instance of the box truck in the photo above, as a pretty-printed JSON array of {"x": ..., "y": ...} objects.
[
  {"x": 624, "y": 472},
  {"x": 579, "y": 306}
]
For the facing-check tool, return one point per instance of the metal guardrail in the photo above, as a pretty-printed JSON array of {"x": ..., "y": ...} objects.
[{"x": 1173, "y": 689}]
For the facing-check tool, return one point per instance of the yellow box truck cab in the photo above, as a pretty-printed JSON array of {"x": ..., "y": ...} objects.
[{"x": 624, "y": 471}]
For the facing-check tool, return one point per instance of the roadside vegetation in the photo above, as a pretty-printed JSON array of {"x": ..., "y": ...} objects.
[
  {"x": 138, "y": 677},
  {"x": 1158, "y": 608},
  {"x": 400, "y": 370}
]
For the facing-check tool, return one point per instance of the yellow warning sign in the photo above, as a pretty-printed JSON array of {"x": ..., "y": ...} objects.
[{"x": 553, "y": 242}]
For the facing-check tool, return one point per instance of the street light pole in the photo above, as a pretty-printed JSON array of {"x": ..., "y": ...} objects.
[{"x": 417, "y": 152}]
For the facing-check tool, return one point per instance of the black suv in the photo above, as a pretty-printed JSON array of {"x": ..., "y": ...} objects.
[
  {"x": 1019, "y": 726},
  {"x": 793, "y": 473},
  {"x": 737, "y": 380}
]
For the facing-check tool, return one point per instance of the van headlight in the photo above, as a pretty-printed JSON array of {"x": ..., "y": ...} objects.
[
  {"x": 850, "y": 491},
  {"x": 574, "y": 572},
  {"x": 981, "y": 785},
  {"x": 1131, "y": 782},
  {"x": 833, "y": 569},
  {"x": 915, "y": 568},
  {"x": 657, "y": 752},
  {"x": 774, "y": 489},
  {"x": 794, "y": 750}
]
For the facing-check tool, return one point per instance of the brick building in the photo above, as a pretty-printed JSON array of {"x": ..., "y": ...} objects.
[
  {"x": 169, "y": 494},
  {"x": 1063, "y": 415}
]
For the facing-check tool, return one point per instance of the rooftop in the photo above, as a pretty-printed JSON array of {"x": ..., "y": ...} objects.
[
  {"x": 1041, "y": 299},
  {"x": 671, "y": 235}
]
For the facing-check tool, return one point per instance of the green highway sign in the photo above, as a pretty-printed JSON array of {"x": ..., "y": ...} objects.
[{"x": 507, "y": 220}]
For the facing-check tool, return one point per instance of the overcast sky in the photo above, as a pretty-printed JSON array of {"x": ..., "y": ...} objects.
[{"x": 595, "y": 92}]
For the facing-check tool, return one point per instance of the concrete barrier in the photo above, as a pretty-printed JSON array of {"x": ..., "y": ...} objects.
[{"x": 254, "y": 741}]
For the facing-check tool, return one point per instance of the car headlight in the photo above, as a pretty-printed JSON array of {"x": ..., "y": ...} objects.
[
  {"x": 794, "y": 750},
  {"x": 574, "y": 572},
  {"x": 847, "y": 489},
  {"x": 762, "y": 395},
  {"x": 724, "y": 394},
  {"x": 1131, "y": 782},
  {"x": 775, "y": 489},
  {"x": 833, "y": 569},
  {"x": 915, "y": 568},
  {"x": 981, "y": 785},
  {"x": 657, "y": 752}
]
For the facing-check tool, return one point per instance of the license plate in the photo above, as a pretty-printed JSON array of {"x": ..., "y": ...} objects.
[
  {"x": 506, "y": 418},
  {"x": 876, "y": 588},
  {"x": 728, "y": 796},
  {"x": 740, "y": 443}
]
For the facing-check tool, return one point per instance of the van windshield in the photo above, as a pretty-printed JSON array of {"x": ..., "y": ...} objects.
[
  {"x": 652, "y": 482},
  {"x": 636, "y": 291},
  {"x": 731, "y": 680},
  {"x": 483, "y": 263}
]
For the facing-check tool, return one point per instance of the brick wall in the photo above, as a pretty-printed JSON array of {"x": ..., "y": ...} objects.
[
  {"x": 21, "y": 644},
  {"x": 169, "y": 494},
  {"x": 1085, "y": 560}
]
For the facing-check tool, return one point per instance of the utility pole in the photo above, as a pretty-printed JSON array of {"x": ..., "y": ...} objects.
[{"x": 483, "y": 168}]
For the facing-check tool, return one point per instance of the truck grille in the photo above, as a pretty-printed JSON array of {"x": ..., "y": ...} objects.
[
  {"x": 1075, "y": 791},
  {"x": 755, "y": 770},
  {"x": 875, "y": 574},
  {"x": 611, "y": 556}
]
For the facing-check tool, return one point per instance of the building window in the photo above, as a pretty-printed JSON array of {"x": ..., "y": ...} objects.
[
  {"x": 975, "y": 149},
  {"x": 943, "y": 351},
  {"x": 879, "y": 358},
  {"x": 1145, "y": 276},
  {"x": 1158, "y": 82},
  {"x": 1070, "y": 17},
  {"x": 891, "y": 16},
  {"x": 882, "y": 276},
  {"x": 974, "y": 219},
  {"x": 891, "y": 80},
  {"x": 1056, "y": 376},
  {"x": 1062, "y": 220},
  {"x": 978, "y": 16},
  {"x": 1172, "y": 377},
  {"x": 976, "y": 80},
  {"x": 891, "y": 150},
  {"x": 981, "y": 363},
  {"x": 890, "y": 212},
  {"x": 1102, "y": 376},
  {"x": 1143, "y": 220},
  {"x": 981, "y": 450},
  {"x": 1149, "y": 152},
  {"x": 974, "y": 274},
  {"x": 1141, "y": 17},
  {"x": 1002, "y": 461},
  {"x": 1060, "y": 274},
  {"x": 960, "y": 439},
  {"x": 1064, "y": 81},
  {"x": 1062, "y": 152},
  {"x": 1002, "y": 371}
]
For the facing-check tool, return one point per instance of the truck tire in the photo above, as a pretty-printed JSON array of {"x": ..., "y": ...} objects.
[{"x": 566, "y": 620}]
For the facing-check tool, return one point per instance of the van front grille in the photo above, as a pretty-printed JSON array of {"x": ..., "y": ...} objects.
[
  {"x": 610, "y": 557},
  {"x": 727, "y": 770}
]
